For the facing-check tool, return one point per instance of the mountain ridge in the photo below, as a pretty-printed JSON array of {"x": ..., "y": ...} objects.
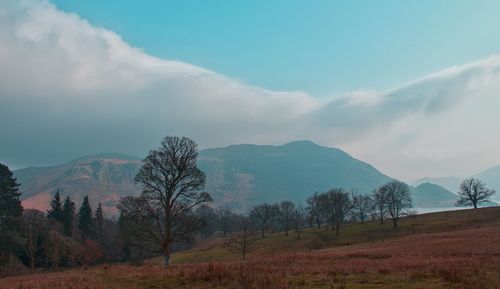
[{"x": 238, "y": 175}]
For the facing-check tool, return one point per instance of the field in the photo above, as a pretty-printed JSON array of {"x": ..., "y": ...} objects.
[{"x": 459, "y": 249}]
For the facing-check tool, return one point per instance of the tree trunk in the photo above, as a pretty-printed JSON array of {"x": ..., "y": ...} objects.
[
  {"x": 395, "y": 222},
  {"x": 32, "y": 261},
  {"x": 166, "y": 260},
  {"x": 166, "y": 257},
  {"x": 381, "y": 220},
  {"x": 263, "y": 233}
]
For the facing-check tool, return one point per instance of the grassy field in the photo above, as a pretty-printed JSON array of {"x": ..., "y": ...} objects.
[
  {"x": 459, "y": 249},
  {"x": 369, "y": 232}
]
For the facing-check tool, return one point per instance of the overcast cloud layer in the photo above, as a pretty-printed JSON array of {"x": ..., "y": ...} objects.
[{"x": 68, "y": 88}]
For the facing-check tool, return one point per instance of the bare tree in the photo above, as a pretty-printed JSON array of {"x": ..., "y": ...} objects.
[
  {"x": 363, "y": 206},
  {"x": 262, "y": 215},
  {"x": 327, "y": 210},
  {"x": 342, "y": 205},
  {"x": 473, "y": 192},
  {"x": 224, "y": 220},
  {"x": 314, "y": 210},
  {"x": 171, "y": 188},
  {"x": 285, "y": 215},
  {"x": 398, "y": 200},
  {"x": 299, "y": 215},
  {"x": 244, "y": 239},
  {"x": 380, "y": 203},
  {"x": 208, "y": 218},
  {"x": 36, "y": 225}
]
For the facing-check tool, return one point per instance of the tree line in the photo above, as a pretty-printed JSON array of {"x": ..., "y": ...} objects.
[{"x": 173, "y": 211}]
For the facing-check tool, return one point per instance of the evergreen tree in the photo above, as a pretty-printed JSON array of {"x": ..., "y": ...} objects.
[
  {"x": 10, "y": 212},
  {"x": 55, "y": 210},
  {"x": 85, "y": 219},
  {"x": 99, "y": 220},
  {"x": 68, "y": 216}
]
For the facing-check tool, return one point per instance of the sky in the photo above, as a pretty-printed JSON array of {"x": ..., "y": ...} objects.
[{"x": 410, "y": 87}]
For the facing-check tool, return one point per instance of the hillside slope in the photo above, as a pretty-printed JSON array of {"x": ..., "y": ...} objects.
[
  {"x": 351, "y": 234},
  {"x": 246, "y": 174}
]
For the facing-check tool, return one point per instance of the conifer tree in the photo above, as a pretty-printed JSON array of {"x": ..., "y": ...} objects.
[
  {"x": 68, "y": 216},
  {"x": 99, "y": 220},
  {"x": 85, "y": 219},
  {"x": 55, "y": 210},
  {"x": 10, "y": 212}
]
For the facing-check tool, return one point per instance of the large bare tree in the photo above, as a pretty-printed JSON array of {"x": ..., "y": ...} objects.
[
  {"x": 397, "y": 200},
  {"x": 171, "y": 188},
  {"x": 473, "y": 192}
]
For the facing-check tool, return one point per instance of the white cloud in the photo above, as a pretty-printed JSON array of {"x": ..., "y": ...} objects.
[{"x": 69, "y": 88}]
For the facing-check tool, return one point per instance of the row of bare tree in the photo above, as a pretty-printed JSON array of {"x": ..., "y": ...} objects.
[{"x": 173, "y": 208}]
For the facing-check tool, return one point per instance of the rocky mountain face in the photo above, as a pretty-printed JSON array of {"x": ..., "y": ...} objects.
[{"x": 104, "y": 178}]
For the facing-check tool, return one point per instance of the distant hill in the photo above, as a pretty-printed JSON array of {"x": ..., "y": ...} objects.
[
  {"x": 491, "y": 177},
  {"x": 429, "y": 195},
  {"x": 241, "y": 175},
  {"x": 450, "y": 183},
  {"x": 104, "y": 178}
]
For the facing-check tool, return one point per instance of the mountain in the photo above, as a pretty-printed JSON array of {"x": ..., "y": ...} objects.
[
  {"x": 450, "y": 183},
  {"x": 104, "y": 178},
  {"x": 429, "y": 195},
  {"x": 237, "y": 175},
  {"x": 241, "y": 175}
]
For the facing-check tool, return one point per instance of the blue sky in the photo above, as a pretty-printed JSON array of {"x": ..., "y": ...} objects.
[{"x": 322, "y": 47}]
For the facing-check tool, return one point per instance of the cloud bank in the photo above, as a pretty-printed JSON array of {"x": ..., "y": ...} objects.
[{"x": 68, "y": 88}]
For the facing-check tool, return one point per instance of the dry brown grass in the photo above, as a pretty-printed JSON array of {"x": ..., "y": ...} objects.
[{"x": 464, "y": 259}]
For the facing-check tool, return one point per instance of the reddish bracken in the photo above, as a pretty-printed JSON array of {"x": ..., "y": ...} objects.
[{"x": 462, "y": 259}]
